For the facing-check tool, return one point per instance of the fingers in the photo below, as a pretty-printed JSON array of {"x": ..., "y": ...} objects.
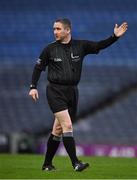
[
  {"x": 124, "y": 26},
  {"x": 119, "y": 31},
  {"x": 34, "y": 97},
  {"x": 116, "y": 25},
  {"x": 34, "y": 94},
  {"x": 37, "y": 96}
]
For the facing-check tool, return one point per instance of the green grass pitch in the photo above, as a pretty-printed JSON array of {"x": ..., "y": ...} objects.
[{"x": 29, "y": 167}]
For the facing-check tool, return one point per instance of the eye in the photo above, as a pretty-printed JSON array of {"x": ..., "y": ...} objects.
[{"x": 58, "y": 29}]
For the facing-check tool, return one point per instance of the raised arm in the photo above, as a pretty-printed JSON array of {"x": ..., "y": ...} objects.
[
  {"x": 118, "y": 32},
  {"x": 93, "y": 47}
]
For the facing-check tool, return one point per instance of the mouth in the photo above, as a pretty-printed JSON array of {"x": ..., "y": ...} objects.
[{"x": 56, "y": 36}]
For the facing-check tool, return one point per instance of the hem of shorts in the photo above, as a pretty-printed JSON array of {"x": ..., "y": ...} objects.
[{"x": 60, "y": 109}]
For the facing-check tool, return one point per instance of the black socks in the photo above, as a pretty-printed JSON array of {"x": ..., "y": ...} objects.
[
  {"x": 69, "y": 144},
  {"x": 52, "y": 146}
]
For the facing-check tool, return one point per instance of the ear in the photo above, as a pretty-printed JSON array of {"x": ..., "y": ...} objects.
[{"x": 68, "y": 30}]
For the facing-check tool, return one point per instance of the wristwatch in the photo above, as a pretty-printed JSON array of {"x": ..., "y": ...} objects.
[{"x": 32, "y": 86}]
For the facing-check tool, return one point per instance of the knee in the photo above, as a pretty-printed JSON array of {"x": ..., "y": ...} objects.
[
  {"x": 68, "y": 127},
  {"x": 57, "y": 131}
]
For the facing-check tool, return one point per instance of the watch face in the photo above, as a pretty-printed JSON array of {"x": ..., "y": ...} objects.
[{"x": 32, "y": 86}]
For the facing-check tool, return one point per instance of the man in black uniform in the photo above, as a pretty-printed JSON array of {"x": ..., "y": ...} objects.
[{"x": 64, "y": 59}]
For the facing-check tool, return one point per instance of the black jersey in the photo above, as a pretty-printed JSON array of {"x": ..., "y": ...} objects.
[{"x": 64, "y": 61}]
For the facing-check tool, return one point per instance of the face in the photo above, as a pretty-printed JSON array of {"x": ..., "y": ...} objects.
[{"x": 60, "y": 31}]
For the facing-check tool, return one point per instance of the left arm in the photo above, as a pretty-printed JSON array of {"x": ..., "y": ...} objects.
[
  {"x": 95, "y": 47},
  {"x": 118, "y": 32}
]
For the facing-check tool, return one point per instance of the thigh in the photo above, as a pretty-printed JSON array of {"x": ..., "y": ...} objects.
[{"x": 64, "y": 120}]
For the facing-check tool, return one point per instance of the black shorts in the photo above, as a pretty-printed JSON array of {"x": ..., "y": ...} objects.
[{"x": 62, "y": 97}]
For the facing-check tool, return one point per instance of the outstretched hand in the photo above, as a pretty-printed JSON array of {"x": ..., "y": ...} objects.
[{"x": 120, "y": 30}]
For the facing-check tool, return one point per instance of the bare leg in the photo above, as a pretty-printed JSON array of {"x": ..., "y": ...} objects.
[
  {"x": 52, "y": 145},
  {"x": 64, "y": 120},
  {"x": 62, "y": 125},
  {"x": 68, "y": 140},
  {"x": 57, "y": 129}
]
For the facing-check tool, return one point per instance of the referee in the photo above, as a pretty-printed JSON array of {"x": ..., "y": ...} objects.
[{"x": 64, "y": 59}]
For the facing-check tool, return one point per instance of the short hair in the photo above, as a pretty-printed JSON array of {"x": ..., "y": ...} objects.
[{"x": 66, "y": 22}]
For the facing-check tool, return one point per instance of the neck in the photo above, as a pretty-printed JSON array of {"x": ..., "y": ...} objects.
[{"x": 66, "y": 40}]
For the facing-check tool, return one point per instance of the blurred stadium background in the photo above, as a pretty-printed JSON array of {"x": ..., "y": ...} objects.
[{"x": 107, "y": 113}]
